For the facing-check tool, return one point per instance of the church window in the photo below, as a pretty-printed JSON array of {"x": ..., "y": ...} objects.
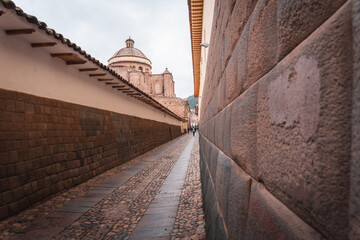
[{"x": 140, "y": 68}]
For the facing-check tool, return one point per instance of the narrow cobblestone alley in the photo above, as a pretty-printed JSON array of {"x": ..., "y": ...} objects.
[{"x": 154, "y": 196}]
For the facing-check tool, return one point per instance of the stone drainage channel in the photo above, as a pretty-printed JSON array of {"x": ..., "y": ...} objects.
[{"x": 154, "y": 196}]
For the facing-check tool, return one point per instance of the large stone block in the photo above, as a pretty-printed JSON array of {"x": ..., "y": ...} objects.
[
  {"x": 243, "y": 131},
  {"x": 298, "y": 19},
  {"x": 236, "y": 73},
  {"x": 263, "y": 40},
  {"x": 268, "y": 218},
  {"x": 240, "y": 12},
  {"x": 220, "y": 229},
  {"x": 222, "y": 181},
  {"x": 226, "y": 128},
  {"x": 212, "y": 161},
  {"x": 215, "y": 226},
  {"x": 354, "y": 207},
  {"x": 303, "y": 127},
  {"x": 206, "y": 182},
  {"x": 237, "y": 200},
  {"x": 221, "y": 93},
  {"x": 211, "y": 130},
  {"x": 219, "y": 129}
]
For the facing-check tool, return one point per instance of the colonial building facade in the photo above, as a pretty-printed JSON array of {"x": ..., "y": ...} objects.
[{"x": 132, "y": 64}]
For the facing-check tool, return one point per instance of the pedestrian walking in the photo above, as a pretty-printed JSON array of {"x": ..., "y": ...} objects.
[{"x": 194, "y": 130}]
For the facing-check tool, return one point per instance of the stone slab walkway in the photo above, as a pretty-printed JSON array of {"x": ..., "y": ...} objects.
[
  {"x": 137, "y": 200},
  {"x": 159, "y": 218}
]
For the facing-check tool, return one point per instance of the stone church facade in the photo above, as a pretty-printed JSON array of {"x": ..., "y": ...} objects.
[{"x": 132, "y": 64}]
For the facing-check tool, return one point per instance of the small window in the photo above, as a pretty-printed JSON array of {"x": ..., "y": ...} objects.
[{"x": 140, "y": 68}]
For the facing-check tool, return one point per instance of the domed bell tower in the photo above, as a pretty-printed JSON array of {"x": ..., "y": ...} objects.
[{"x": 129, "y": 43}]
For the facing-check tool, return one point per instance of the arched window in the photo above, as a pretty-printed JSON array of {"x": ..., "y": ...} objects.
[{"x": 140, "y": 68}]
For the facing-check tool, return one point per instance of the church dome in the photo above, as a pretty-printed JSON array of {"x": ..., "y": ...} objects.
[{"x": 129, "y": 54}]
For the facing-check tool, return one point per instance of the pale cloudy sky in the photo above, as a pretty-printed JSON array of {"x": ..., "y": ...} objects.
[{"x": 160, "y": 29}]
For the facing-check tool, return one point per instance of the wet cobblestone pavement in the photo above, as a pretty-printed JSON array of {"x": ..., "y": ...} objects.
[{"x": 111, "y": 205}]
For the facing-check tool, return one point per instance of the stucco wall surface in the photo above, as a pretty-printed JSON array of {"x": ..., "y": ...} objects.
[
  {"x": 277, "y": 119},
  {"x": 34, "y": 71}
]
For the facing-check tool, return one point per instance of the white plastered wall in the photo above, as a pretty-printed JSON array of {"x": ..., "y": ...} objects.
[{"x": 34, "y": 71}]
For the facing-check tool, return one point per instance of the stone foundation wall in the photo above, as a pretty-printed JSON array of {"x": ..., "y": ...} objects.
[
  {"x": 47, "y": 146},
  {"x": 276, "y": 120}
]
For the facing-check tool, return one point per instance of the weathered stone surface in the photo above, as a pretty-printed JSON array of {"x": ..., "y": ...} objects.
[
  {"x": 222, "y": 181},
  {"x": 355, "y": 137},
  {"x": 240, "y": 12},
  {"x": 298, "y": 89},
  {"x": 231, "y": 79},
  {"x": 219, "y": 131},
  {"x": 243, "y": 131},
  {"x": 220, "y": 94},
  {"x": 237, "y": 202},
  {"x": 298, "y": 19},
  {"x": 210, "y": 131},
  {"x": 212, "y": 161},
  {"x": 226, "y": 128},
  {"x": 303, "y": 133},
  {"x": 220, "y": 229},
  {"x": 268, "y": 218},
  {"x": 263, "y": 40}
]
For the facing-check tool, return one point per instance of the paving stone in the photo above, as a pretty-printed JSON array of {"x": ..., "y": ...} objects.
[
  {"x": 190, "y": 223},
  {"x": 110, "y": 205},
  {"x": 165, "y": 219}
]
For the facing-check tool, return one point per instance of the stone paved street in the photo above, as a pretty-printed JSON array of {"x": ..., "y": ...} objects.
[{"x": 154, "y": 196}]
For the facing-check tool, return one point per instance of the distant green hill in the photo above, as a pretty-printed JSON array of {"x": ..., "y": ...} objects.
[{"x": 192, "y": 101}]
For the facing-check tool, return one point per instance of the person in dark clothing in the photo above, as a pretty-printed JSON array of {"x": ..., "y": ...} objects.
[{"x": 194, "y": 130}]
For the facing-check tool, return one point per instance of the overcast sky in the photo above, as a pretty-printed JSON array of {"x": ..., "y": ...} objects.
[{"x": 160, "y": 29}]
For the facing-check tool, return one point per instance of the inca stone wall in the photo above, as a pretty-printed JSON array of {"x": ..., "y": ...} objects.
[
  {"x": 276, "y": 120},
  {"x": 48, "y": 145},
  {"x": 355, "y": 163}
]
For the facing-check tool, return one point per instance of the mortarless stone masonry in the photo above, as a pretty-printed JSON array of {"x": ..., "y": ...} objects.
[
  {"x": 278, "y": 121},
  {"x": 47, "y": 146}
]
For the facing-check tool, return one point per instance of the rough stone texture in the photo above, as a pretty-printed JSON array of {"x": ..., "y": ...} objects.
[
  {"x": 237, "y": 202},
  {"x": 214, "y": 222},
  {"x": 48, "y": 145},
  {"x": 268, "y": 218},
  {"x": 298, "y": 87},
  {"x": 355, "y": 142},
  {"x": 243, "y": 131},
  {"x": 262, "y": 52},
  {"x": 239, "y": 11},
  {"x": 290, "y": 125},
  {"x": 298, "y": 19},
  {"x": 226, "y": 128},
  {"x": 222, "y": 181},
  {"x": 303, "y": 144}
]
